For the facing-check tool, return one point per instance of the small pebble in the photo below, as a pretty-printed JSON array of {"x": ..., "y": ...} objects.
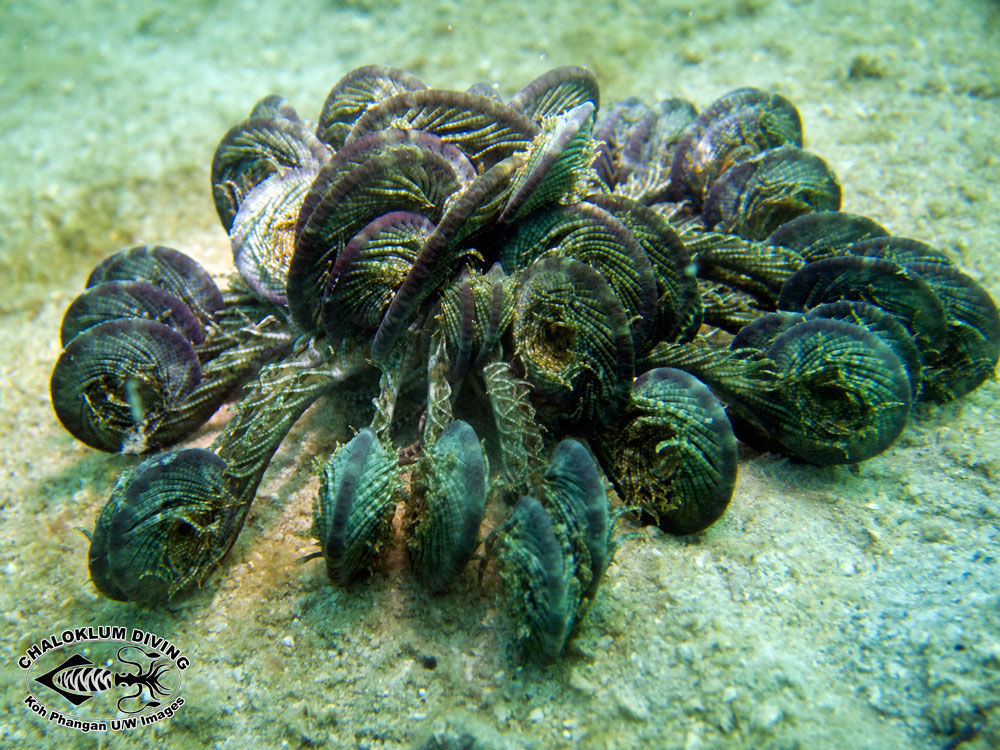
[{"x": 766, "y": 715}]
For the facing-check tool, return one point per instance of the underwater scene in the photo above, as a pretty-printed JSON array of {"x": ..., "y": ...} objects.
[{"x": 500, "y": 375}]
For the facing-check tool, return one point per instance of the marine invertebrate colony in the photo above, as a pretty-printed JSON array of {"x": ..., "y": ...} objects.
[{"x": 533, "y": 295}]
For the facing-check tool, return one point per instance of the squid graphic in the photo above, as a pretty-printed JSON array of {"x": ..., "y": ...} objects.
[{"x": 78, "y": 679}]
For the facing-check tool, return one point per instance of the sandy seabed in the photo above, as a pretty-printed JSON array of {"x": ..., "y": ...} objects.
[{"x": 852, "y": 606}]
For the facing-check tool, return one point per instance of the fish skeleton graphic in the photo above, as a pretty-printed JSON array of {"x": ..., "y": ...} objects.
[{"x": 78, "y": 679}]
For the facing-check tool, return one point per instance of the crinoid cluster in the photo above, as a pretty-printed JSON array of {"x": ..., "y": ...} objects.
[{"x": 519, "y": 299}]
